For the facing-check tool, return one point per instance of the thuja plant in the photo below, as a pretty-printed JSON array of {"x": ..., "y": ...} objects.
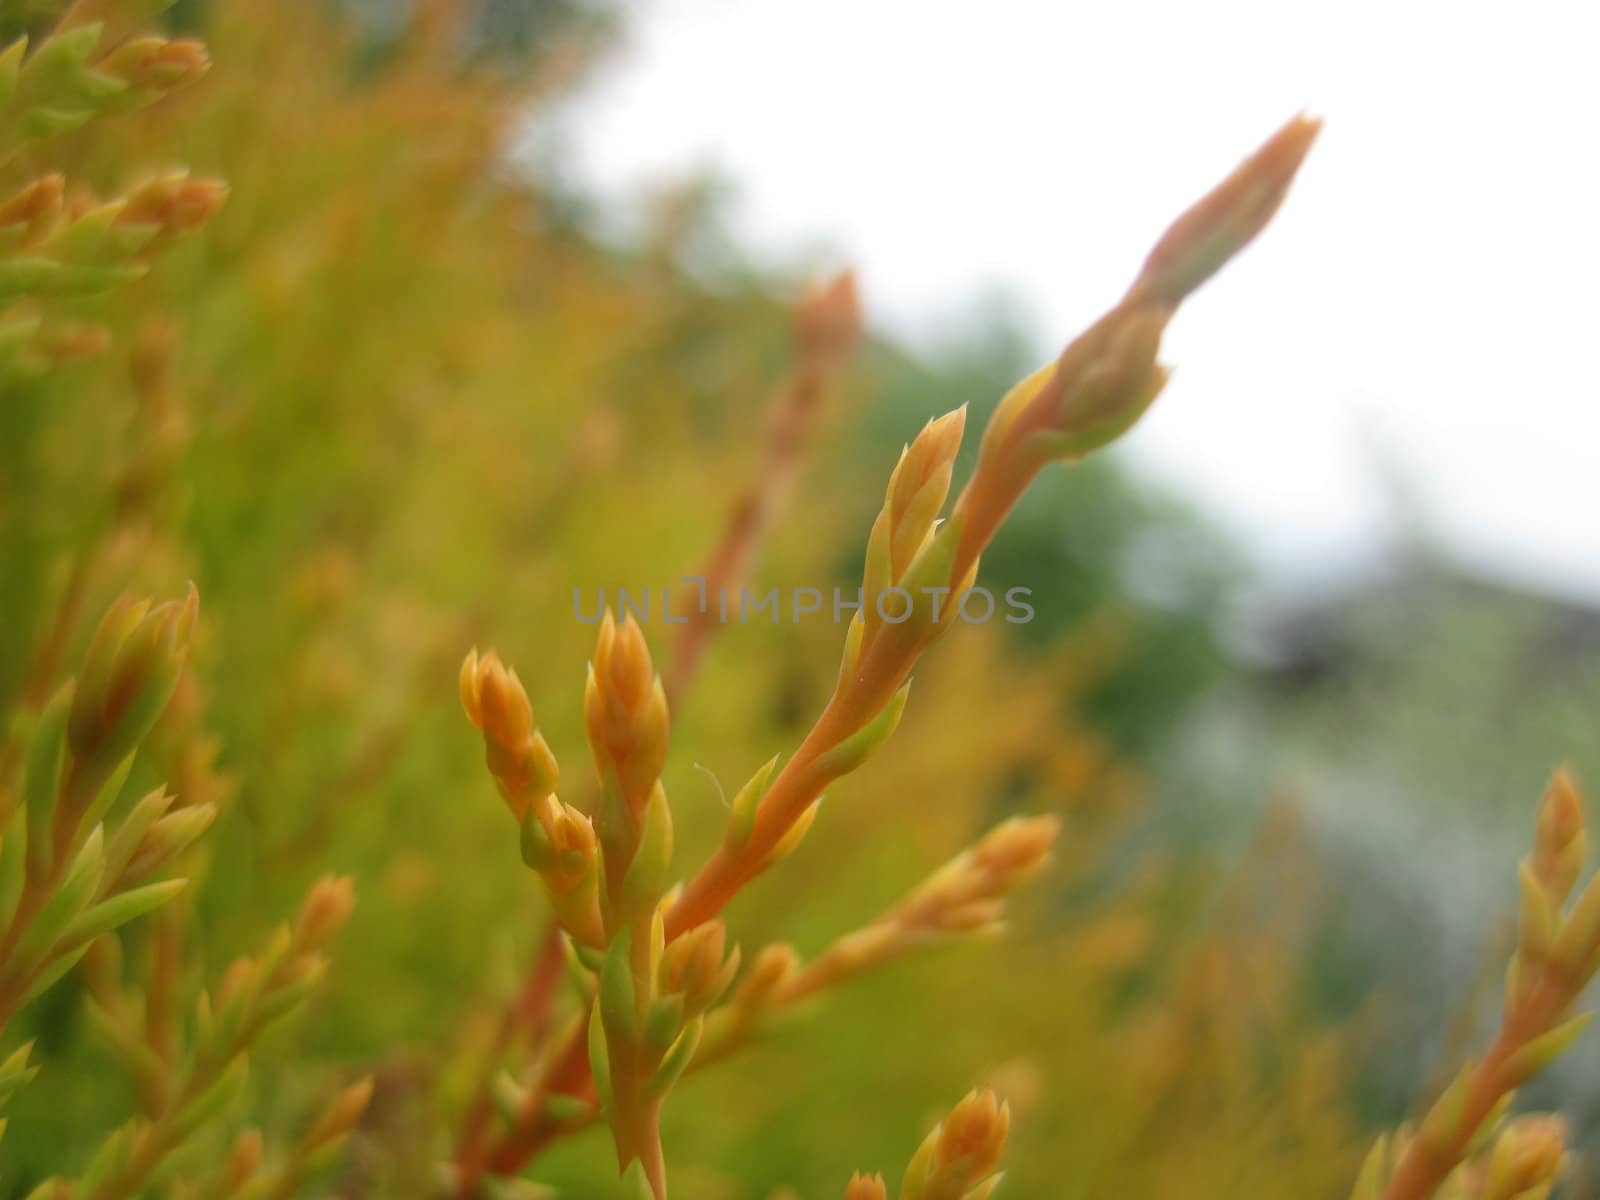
[
  {"x": 1464, "y": 1146},
  {"x": 663, "y": 987}
]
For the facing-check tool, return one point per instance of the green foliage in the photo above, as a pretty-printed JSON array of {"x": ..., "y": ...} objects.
[{"x": 389, "y": 403}]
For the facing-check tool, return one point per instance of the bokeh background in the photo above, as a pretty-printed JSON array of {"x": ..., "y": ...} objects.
[{"x": 498, "y": 310}]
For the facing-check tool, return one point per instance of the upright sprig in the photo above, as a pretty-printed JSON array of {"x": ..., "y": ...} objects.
[
  {"x": 606, "y": 874},
  {"x": 826, "y": 329},
  {"x": 918, "y": 569},
  {"x": 1454, "y": 1147},
  {"x": 64, "y": 879}
]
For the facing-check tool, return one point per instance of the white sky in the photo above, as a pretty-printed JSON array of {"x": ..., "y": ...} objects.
[{"x": 1425, "y": 303}]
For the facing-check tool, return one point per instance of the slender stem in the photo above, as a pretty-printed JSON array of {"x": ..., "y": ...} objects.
[
  {"x": 884, "y": 665},
  {"x": 1426, "y": 1164}
]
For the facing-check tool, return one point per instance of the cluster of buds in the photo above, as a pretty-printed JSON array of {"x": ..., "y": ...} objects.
[
  {"x": 606, "y": 875},
  {"x": 1525, "y": 1162},
  {"x": 1520, "y": 1159},
  {"x": 558, "y": 840},
  {"x": 58, "y": 246},
  {"x": 66, "y": 80},
  {"x": 64, "y": 880},
  {"x": 1557, "y": 954},
  {"x": 53, "y": 247},
  {"x": 641, "y": 1039},
  {"x": 968, "y": 893},
  {"x": 518, "y": 757},
  {"x": 965, "y": 897},
  {"x": 958, "y": 1159},
  {"x": 254, "y": 995},
  {"x": 625, "y": 714},
  {"x": 697, "y": 969}
]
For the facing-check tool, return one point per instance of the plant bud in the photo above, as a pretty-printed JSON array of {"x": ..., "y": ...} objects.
[
  {"x": 517, "y": 755},
  {"x": 155, "y": 64},
  {"x": 173, "y": 203},
  {"x": 169, "y": 836},
  {"x": 915, "y": 495},
  {"x": 130, "y": 672},
  {"x": 1225, "y": 220},
  {"x": 625, "y": 710},
  {"x": 1107, "y": 395},
  {"x": 244, "y": 1160},
  {"x": 973, "y": 1136},
  {"x": 773, "y": 967},
  {"x": 342, "y": 1115},
  {"x": 694, "y": 966},
  {"x": 1016, "y": 850},
  {"x": 327, "y": 907},
  {"x": 828, "y": 317},
  {"x": 31, "y": 211},
  {"x": 1560, "y": 843},
  {"x": 866, "y": 1187},
  {"x": 572, "y": 837},
  {"x": 1528, "y": 1157}
]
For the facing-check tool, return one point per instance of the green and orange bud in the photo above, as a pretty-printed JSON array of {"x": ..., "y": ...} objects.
[
  {"x": 130, "y": 672},
  {"x": 559, "y": 843},
  {"x": 967, "y": 894},
  {"x": 771, "y": 971},
  {"x": 1527, "y": 1161},
  {"x": 323, "y": 914},
  {"x": 342, "y": 1116},
  {"x": 1107, "y": 381},
  {"x": 173, "y": 203},
  {"x": 1013, "y": 853},
  {"x": 31, "y": 211},
  {"x": 625, "y": 711},
  {"x": 958, "y": 1160},
  {"x": 975, "y": 1133},
  {"x": 1561, "y": 841},
  {"x": 866, "y": 1187},
  {"x": 150, "y": 66},
  {"x": 1226, "y": 219},
  {"x": 167, "y": 838},
  {"x": 517, "y": 755},
  {"x": 243, "y": 1161},
  {"x": 698, "y": 967},
  {"x": 828, "y": 317},
  {"x": 915, "y": 496}
]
